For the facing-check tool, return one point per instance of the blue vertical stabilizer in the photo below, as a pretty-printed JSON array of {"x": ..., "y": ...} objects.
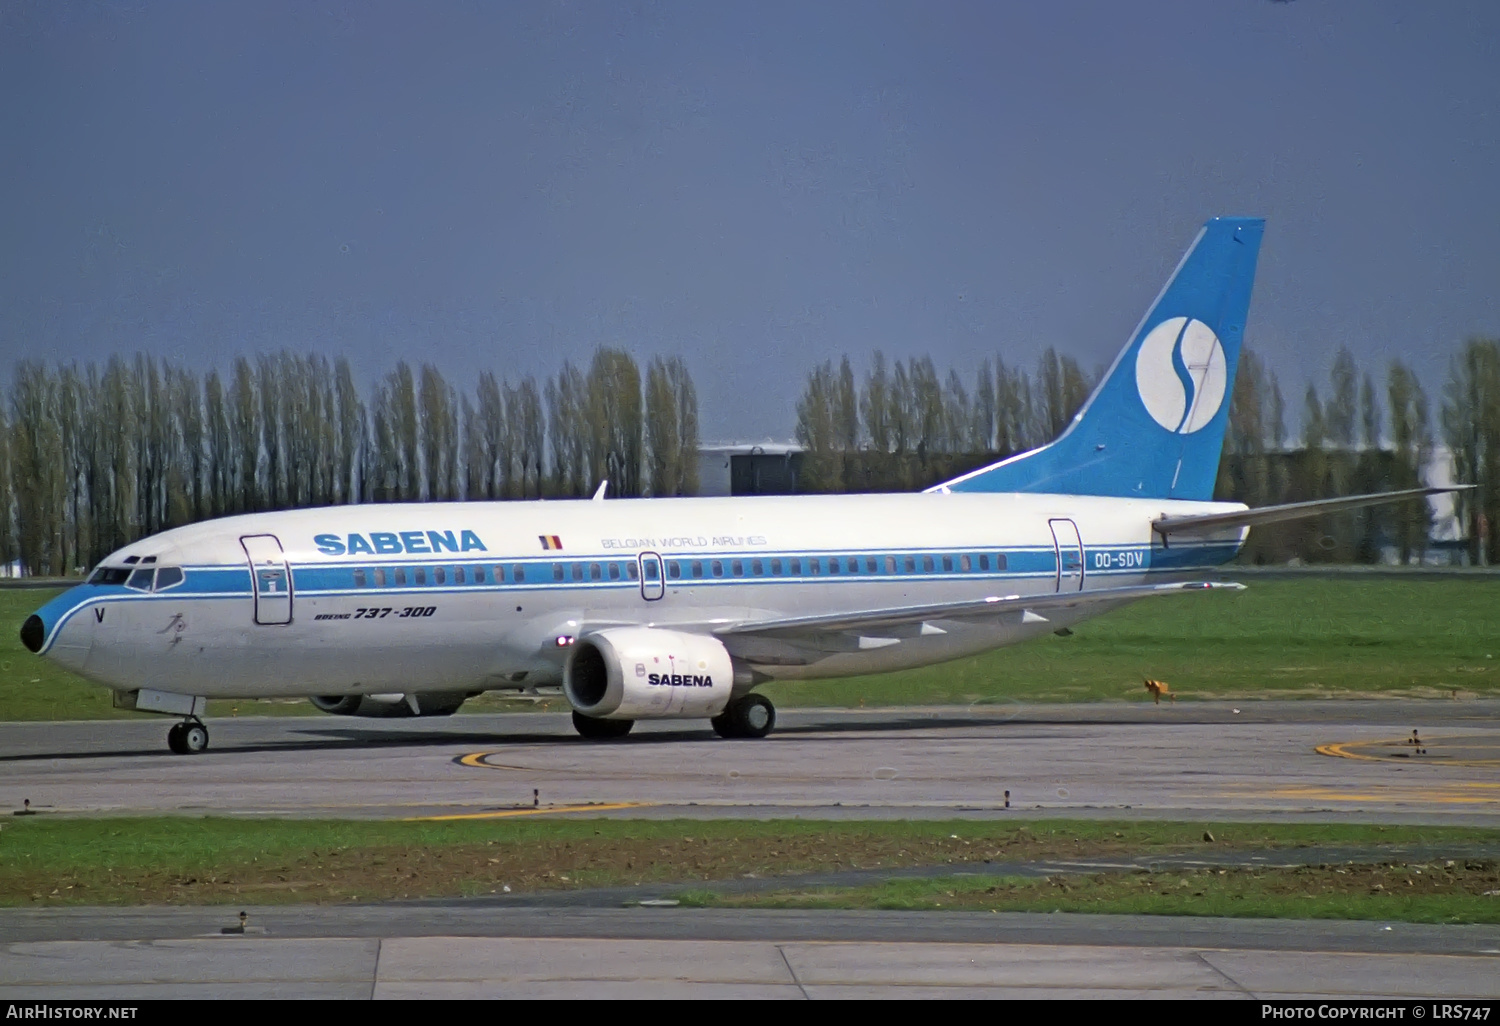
[{"x": 1155, "y": 425}]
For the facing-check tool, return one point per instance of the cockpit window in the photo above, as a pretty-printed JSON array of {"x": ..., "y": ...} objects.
[
  {"x": 140, "y": 580},
  {"x": 110, "y": 575},
  {"x": 168, "y": 577}
]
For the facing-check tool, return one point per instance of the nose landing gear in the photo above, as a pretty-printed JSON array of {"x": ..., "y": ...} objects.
[{"x": 188, "y": 737}]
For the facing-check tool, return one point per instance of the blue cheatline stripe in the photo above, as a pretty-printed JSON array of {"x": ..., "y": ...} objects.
[
  {"x": 233, "y": 581},
  {"x": 538, "y": 573}
]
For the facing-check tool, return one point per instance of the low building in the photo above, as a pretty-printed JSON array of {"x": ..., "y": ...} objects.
[{"x": 748, "y": 468}]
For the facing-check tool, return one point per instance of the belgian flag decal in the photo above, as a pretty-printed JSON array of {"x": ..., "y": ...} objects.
[{"x": 550, "y": 542}]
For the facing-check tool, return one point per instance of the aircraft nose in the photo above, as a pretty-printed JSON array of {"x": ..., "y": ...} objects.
[{"x": 33, "y": 632}]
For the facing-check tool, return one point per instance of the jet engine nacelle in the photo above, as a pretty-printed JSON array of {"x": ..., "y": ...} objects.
[
  {"x": 430, "y": 703},
  {"x": 641, "y": 673}
]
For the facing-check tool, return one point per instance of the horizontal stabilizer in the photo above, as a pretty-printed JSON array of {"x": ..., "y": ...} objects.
[
  {"x": 1210, "y": 523},
  {"x": 971, "y": 609}
]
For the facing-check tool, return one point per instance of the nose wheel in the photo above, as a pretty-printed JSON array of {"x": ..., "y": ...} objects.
[
  {"x": 187, "y": 738},
  {"x": 750, "y": 716}
]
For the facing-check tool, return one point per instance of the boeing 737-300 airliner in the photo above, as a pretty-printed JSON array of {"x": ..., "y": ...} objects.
[{"x": 679, "y": 608}]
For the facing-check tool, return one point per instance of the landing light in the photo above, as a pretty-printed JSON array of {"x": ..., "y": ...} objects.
[{"x": 564, "y": 640}]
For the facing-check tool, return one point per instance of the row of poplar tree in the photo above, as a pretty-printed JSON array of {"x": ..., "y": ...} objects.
[
  {"x": 904, "y": 426},
  {"x": 92, "y": 458}
]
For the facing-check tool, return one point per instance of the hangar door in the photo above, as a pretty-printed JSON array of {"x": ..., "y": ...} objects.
[{"x": 270, "y": 577}]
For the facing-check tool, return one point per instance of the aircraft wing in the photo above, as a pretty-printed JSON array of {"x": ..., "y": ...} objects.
[
  {"x": 1209, "y": 523},
  {"x": 993, "y": 606}
]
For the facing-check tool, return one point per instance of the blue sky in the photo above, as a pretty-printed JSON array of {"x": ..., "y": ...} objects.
[{"x": 756, "y": 187}]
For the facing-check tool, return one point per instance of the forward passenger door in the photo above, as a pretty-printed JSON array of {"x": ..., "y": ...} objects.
[{"x": 270, "y": 578}]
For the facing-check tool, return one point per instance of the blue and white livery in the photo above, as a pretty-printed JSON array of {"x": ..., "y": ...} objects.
[{"x": 656, "y": 608}]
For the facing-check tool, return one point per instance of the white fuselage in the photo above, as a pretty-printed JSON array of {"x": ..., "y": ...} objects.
[{"x": 456, "y": 597}]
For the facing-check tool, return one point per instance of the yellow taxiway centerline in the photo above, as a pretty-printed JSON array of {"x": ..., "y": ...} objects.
[
  {"x": 1347, "y": 750},
  {"x": 1398, "y": 794},
  {"x": 476, "y": 760},
  {"x": 538, "y": 811}
]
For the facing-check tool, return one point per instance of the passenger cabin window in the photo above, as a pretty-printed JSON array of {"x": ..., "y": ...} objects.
[
  {"x": 439, "y": 575},
  {"x": 614, "y": 571},
  {"x": 718, "y": 568},
  {"x": 557, "y": 572},
  {"x": 577, "y": 571},
  {"x": 630, "y": 570},
  {"x": 796, "y": 565},
  {"x": 999, "y": 561},
  {"x": 517, "y": 574},
  {"x": 927, "y": 564},
  {"x": 479, "y": 575},
  {"x": 984, "y": 561},
  {"x": 833, "y": 565},
  {"x": 458, "y": 575},
  {"x": 419, "y": 575},
  {"x": 697, "y": 568},
  {"x": 359, "y": 578},
  {"x": 168, "y": 577},
  {"x": 890, "y": 564},
  {"x": 948, "y": 563},
  {"x": 738, "y": 568},
  {"x": 380, "y": 577},
  {"x": 757, "y": 569},
  {"x": 398, "y": 576},
  {"x": 911, "y": 564},
  {"x": 650, "y": 568},
  {"x": 596, "y": 572},
  {"x": 965, "y": 563},
  {"x": 775, "y": 568},
  {"x": 674, "y": 570}
]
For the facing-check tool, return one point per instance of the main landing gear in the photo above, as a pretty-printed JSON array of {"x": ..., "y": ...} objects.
[
  {"x": 596, "y": 729},
  {"x": 750, "y": 716},
  {"x": 188, "y": 737}
]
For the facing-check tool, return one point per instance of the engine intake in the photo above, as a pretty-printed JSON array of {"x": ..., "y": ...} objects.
[{"x": 642, "y": 673}]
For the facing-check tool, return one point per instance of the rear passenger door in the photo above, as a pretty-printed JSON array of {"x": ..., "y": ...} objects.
[{"x": 1069, "y": 548}]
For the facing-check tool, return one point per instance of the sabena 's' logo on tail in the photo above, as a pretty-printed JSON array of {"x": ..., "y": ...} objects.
[{"x": 1181, "y": 375}]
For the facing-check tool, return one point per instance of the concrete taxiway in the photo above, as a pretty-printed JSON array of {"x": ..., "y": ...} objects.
[
  {"x": 1209, "y": 761},
  {"x": 468, "y": 949},
  {"x": 1284, "y": 760}
]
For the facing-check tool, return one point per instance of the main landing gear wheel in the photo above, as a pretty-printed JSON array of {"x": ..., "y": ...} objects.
[
  {"x": 600, "y": 730},
  {"x": 187, "y": 738},
  {"x": 751, "y": 716}
]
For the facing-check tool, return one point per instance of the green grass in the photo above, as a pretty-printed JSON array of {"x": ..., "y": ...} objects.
[
  {"x": 1279, "y": 639},
  {"x": 1460, "y": 892},
  {"x": 204, "y": 861}
]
